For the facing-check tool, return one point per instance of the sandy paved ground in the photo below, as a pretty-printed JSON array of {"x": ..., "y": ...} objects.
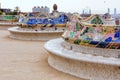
[{"x": 26, "y": 60}]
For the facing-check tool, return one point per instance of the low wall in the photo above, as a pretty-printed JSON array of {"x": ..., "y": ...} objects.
[
  {"x": 33, "y": 35},
  {"x": 85, "y": 66}
]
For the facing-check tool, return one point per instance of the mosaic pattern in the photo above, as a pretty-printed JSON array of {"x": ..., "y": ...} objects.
[
  {"x": 97, "y": 35},
  {"x": 43, "y": 22}
]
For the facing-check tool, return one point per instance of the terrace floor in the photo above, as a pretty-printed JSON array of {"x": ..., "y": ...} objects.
[{"x": 26, "y": 60}]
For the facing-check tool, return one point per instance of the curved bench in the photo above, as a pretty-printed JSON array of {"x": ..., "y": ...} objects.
[
  {"x": 82, "y": 65},
  {"x": 105, "y": 52},
  {"x": 15, "y": 33}
]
